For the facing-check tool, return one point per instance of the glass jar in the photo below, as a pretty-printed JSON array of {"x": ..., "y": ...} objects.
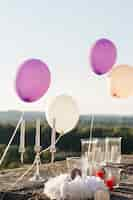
[
  {"x": 113, "y": 150},
  {"x": 73, "y": 162},
  {"x": 93, "y": 152},
  {"x": 87, "y": 149},
  {"x": 114, "y": 173},
  {"x": 98, "y": 156}
]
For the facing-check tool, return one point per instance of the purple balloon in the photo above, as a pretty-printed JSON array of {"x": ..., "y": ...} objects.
[
  {"x": 32, "y": 80},
  {"x": 103, "y": 56}
]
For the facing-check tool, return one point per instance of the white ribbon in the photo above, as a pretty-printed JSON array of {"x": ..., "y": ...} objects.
[{"x": 11, "y": 139}]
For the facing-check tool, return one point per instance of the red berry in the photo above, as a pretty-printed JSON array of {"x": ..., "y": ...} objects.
[
  {"x": 110, "y": 183},
  {"x": 100, "y": 174}
]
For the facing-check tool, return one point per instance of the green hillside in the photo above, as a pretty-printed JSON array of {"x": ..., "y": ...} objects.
[{"x": 69, "y": 145}]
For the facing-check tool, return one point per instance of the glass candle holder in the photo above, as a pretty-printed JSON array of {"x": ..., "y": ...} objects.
[
  {"x": 73, "y": 162},
  {"x": 87, "y": 148},
  {"x": 113, "y": 173},
  {"x": 113, "y": 150},
  {"x": 93, "y": 151},
  {"x": 98, "y": 156}
]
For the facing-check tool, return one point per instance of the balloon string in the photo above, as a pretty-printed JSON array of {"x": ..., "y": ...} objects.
[
  {"x": 50, "y": 145},
  {"x": 14, "y": 133},
  {"x": 31, "y": 167},
  {"x": 91, "y": 132},
  {"x": 23, "y": 175}
]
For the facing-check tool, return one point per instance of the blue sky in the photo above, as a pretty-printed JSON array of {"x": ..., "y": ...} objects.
[{"x": 61, "y": 33}]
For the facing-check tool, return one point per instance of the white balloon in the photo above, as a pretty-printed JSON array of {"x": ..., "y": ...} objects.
[
  {"x": 63, "y": 109},
  {"x": 121, "y": 81}
]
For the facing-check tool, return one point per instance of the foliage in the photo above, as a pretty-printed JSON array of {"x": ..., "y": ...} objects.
[{"x": 67, "y": 146}]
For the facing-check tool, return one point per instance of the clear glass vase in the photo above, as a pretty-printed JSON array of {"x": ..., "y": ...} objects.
[
  {"x": 93, "y": 151},
  {"x": 113, "y": 150},
  {"x": 73, "y": 162},
  {"x": 99, "y": 151},
  {"x": 87, "y": 148}
]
